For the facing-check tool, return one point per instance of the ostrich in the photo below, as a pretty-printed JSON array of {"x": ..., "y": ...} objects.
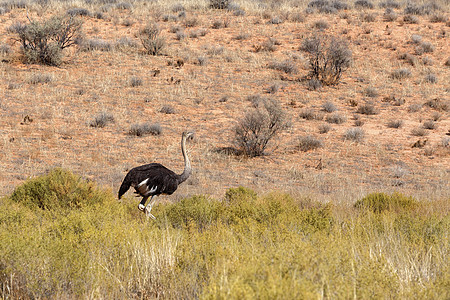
[{"x": 154, "y": 179}]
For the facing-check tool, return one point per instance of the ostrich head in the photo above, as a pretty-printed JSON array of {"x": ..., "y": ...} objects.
[{"x": 188, "y": 135}]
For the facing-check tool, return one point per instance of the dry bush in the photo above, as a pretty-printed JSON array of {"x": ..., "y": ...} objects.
[
  {"x": 310, "y": 114},
  {"x": 37, "y": 78},
  {"x": 78, "y": 11},
  {"x": 354, "y": 134},
  {"x": 329, "y": 107},
  {"x": 367, "y": 109},
  {"x": 401, "y": 73},
  {"x": 101, "y": 120},
  {"x": 389, "y": 15},
  {"x": 219, "y": 4},
  {"x": 363, "y": 4},
  {"x": 151, "y": 40},
  {"x": 288, "y": 66},
  {"x": 135, "y": 81},
  {"x": 96, "y": 45},
  {"x": 309, "y": 142},
  {"x": 411, "y": 19},
  {"x": 329, "y": 57},
  {"x": 43, "y": 42},
  {"x": 429, "y": 124},
  {"x": 389, "y": 4},
  {"x": 324, "y": 128},
  {"x": 419, "y": 131},
  {"x": 431, "y": 78},
  {"x": 259, "y": 126},
  {"x": 394, "y": 123},
  {"x": 336, "y": 118},
  {"x": 146, "y": 128},
  {"x": 167, "y": 109}
]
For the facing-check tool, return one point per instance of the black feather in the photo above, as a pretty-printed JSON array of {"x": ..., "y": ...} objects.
[{"x": 165, "y": 180}]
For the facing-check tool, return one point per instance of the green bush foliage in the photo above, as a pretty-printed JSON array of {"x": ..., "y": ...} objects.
[
  {"x": 380, "y": 202},
  {"x": 59, "y": 189},
  {"x": 244, "y": 246}
]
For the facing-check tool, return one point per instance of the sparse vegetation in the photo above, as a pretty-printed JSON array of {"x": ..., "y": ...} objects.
[
  {"x": 328, "y": 58},
  {"x": 43, "y": 42},
  {"x": 395, "y": 123},
  {"x": 309, "y": 142},
  {"x": 259, "y": 126},
  {"x": 367, "y": 109},
  {"x": 401, "y": 73},
  {"x": 354, "y": 134},
  {"x": 151, "y": 39},
  {"x": 102, "y": 119},
  {"x": 144, "y": 129},
  {"x": 288, "y": 66},
  {"x": 336, "y": 118},
  {"x": 329, "y": 107}
]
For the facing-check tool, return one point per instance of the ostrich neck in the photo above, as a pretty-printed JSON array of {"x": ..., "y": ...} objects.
[{"x": 187, "y": 162}]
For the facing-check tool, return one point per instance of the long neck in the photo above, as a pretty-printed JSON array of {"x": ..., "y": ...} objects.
[{"x": 187, "y": 163}]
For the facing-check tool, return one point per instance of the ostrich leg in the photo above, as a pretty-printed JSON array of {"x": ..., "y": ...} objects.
[
  {"x": 142, "y": 204},
  {"x": 149, "y": 207}
]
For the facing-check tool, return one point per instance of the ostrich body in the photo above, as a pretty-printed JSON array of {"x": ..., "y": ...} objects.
[{"x": 154, "y": 179}]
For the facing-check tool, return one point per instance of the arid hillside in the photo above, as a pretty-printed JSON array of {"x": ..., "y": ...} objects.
[{"x": 110, "y": 103}]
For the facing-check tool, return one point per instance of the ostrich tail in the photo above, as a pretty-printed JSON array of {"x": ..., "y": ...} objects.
[{"x": 124, "y": 187}]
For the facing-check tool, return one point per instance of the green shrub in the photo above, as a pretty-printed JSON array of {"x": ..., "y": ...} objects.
[
  {"x": 59, "y": 189},
  {"x": 43, "y": 42},
  {"x": 200, "y": 210},
  {"x": 380, "y": 202}
]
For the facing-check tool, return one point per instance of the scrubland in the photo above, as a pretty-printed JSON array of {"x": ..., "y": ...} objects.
[
  {"x": 63, "y": 237},
  {"x": 309, "y": 181}
]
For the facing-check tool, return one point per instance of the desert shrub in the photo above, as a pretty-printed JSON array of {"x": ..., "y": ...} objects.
[
  {"x": 419, "y": 131},
  {"x": 135, "y": 81},
  {"x": 367, "y": 109},
  {"x": 124, "y": 6},
  {"x": 381, "y": 202},
  {"x": 151, "y": 40},
  {"x": 389, "y": 15},
  {"x": 259, "y": 126},
  {"x": 411, "y": 19},
  {"x": 314, "y": 84},
  {"x": 416, "y": 9},
  {"x": 43, "y": 42},
  {"x": 409, "y": 58},
  {"x": 145, "y": 128},
  {"x": 369, "y": 17},
  {"x": 219, "y": 4},
  {"x": 125, "y": 42},
  {"x": 167, "y": 109},
  {"x": 427, "y": 61},
  {"x": 321, "y": 24},
  {"x": 275, "y": 20},
  {"x": 5, "y": 49},
  {"x": 328, "y": 58},
  {"x": 288, "y": 66},
  {"x": 363, "y": 4},
  {"x": 430, "y": 78},
  {"x": 438, "y": 18},
  {"x": 56, "y": 190},
  {"x": 96, "y": 45},
  {"x": 438, "y": 104},
  {"x": 101, "y": 120},
  {"x": 354, "y": 134},
  {"x": 310, "y": 114},
  {"x": 389, "y": 4},
  {"x": 400, "y": 74},
  {"x": 414, "y": 108},
  {"x": 394, "y": 123},
  {"x": 336, "y": 118},
  {"x": 309, "y": 142},
  {"x": 37, "y": 78},
  {"x": 329, "y": 107},
  {"x": 324, "y": 128},
  {"x": 424, "y": 47},
  {"x": 416, "y": 38},
  {"x": 77, "y": 11},
  {"x": 429, "y": 124},
  {"x": 371, "y": 92}
]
